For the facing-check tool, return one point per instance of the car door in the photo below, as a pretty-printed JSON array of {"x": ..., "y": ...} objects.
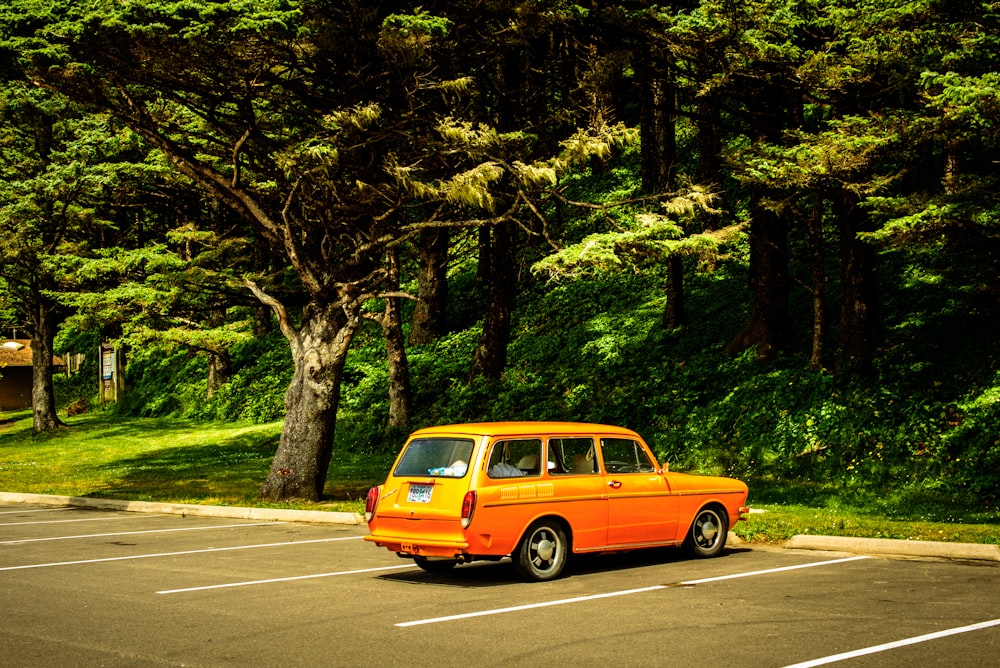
[
  {"x": 641, "y": 509},
  {"x": 579, "y": 491}
]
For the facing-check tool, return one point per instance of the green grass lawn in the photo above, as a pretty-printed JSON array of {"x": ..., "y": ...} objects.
[
  {"x": 146, "y": 459},
  {"x": 778, "y": 523},
  {"x": 178, "y": 461}
]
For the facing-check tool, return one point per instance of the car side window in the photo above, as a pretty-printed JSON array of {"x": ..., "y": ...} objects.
[
  {"x": 515, "y": 458},
  {"x": 572, "y": 456},
  {"x": 624, "y": 455}
]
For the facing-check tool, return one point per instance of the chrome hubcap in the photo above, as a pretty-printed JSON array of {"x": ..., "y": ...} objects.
[
  {"x": 709, "y": 530},
  {"x": 543, "y": 549}
]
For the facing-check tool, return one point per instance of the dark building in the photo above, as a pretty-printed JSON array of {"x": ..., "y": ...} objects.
[{"x": 15, "y": 374}]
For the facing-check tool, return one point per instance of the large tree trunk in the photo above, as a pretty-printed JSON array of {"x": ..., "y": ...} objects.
[
  {"x": 219, "y": 363},
  {"x": 490, "y": 356},
  {"x": 658, "y": 164},
  {"x": 429, "y": 321},
  {"x": 319, "y": 350},
  {"x": 400, "y": 394},
  {"x": 859, "y": 303},
  {"x": 43, "y": 397},
  {"x": 709, "y": 142},
  {"x": 219, "y": 368},
  {"x": 818, "y": 285},
  {"x": 768, "y": 328}
]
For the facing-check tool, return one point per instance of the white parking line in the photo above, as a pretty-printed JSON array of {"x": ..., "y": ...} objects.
[
  {"x": 106, "y": 518},
  {"x": 893, "y": 645},
  {"x": 175, "y": 554},
  {"x": 134, "y": 533},
  {"x": 530, "y": 606},
  {"x": 766, "y": 571},
  {"x": 32, "y": 510},
  {"x": 288, "y": 579}
]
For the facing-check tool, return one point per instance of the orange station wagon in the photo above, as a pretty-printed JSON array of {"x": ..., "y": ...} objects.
[{"x": 537, "y": 491}]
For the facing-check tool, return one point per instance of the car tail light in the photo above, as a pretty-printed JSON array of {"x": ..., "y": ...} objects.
[
  {"x": 468, "y": 507},
  {"x": 370, "y": 502}
]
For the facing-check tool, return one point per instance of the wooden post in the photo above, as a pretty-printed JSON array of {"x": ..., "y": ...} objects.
[{"x": 112, "y": 381}]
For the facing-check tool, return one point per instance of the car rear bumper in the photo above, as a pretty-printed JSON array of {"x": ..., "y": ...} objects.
[{"x": 420, "y": 547}]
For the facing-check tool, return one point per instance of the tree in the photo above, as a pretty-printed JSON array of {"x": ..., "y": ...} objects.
[
  {"x": 318, "y": 124},
  {"x": 58, "y": 167},
  {"x": 178, "y": 291}
]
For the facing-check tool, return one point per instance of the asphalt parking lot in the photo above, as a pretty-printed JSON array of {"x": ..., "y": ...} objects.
[{"x": 85, "y": 587}]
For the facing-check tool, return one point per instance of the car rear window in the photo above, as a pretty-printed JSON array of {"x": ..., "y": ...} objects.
[{"x": 442, "y": 457}]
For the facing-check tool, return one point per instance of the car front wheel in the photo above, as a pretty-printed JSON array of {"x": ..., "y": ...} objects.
[
  {"x": 707, "y": 536},
  {"x": 541, "y": 554}
]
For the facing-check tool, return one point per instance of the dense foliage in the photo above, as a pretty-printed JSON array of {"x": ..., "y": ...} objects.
[{"x": 762, "y": 233}]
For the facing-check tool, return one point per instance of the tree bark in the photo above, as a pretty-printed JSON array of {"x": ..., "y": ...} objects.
[
  {"x": 709, "y": 142},
  {"x": 859, "y": 302},
  {"x": 768, "y": 327},
  {"x": 400, "y": 393},
  {"x": 319, "y": 350},
  {"x": 43, "y": 397},
  {"x": 219, "y": 368},
  {"x": 952, "y": 166},
  {"x": 658, "y": 165},
  {"x": 429, "y": 319},
  {"x": 490, "y": 356},
  {"x": 818, "y": 285},
  {"x": 675, "y": 311}
]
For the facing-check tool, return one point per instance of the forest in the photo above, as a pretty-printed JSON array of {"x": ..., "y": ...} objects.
[{"x": 763, "y": 233}]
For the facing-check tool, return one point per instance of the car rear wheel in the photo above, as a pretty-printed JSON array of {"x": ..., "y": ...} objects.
[
  {"x": 541, "y": 554},
  {"x": 707, "y": 536},
  {"x": 435, "y": 565}
]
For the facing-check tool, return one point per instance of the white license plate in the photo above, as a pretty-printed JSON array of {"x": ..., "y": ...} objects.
[{"x": 419, "y": 493}]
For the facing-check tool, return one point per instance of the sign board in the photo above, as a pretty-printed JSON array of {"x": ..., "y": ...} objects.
[{"x": 112, "y": 381}]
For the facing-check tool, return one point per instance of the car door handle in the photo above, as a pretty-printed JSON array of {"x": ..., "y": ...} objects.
[{"x": 614, "y": 484}]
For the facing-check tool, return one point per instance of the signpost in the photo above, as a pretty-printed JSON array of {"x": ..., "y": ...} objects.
[{"x": 112, "y": 373}]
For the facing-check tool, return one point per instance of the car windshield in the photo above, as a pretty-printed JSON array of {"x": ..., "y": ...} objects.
[{"x": 442, "y": 457}]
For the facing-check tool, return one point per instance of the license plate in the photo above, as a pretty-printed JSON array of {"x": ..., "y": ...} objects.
[{"x": 419, "y": 493}]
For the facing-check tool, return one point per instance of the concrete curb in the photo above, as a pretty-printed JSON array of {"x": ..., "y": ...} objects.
[
  {"x": 194, "y": 510},
  {"x": 896, "y": 548}
]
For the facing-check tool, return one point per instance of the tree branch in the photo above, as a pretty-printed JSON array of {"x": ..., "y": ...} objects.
[{"x": 284, "y": 322}]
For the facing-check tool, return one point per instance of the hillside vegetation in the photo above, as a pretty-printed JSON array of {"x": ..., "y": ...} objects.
[{"x": 919, "y": 439}]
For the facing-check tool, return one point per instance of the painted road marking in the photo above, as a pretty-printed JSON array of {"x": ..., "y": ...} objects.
[
  {"x": 177, "y": 554},
  {"x": 288, "y": 579},
  {"x": 33, "y": 510},
  {"x": 134, "y": 533},
  {"x": 107, "y": 518},
  {"x": 798, "y": 567},
  {"x": 627, "y": 592},
  {"x": 893, "y": 645}
]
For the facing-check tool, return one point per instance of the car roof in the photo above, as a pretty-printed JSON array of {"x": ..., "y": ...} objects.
[{"x": 524, "y": 428}]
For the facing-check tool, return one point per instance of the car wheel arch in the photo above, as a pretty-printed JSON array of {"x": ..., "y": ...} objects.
[{"x": 552, "y": 518}]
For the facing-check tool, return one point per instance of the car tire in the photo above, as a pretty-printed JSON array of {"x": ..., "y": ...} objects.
[
  {"x": 541, "y": 554},
  {"x": 707, "y": 535},
  {"x": 435, "y": 565}
]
